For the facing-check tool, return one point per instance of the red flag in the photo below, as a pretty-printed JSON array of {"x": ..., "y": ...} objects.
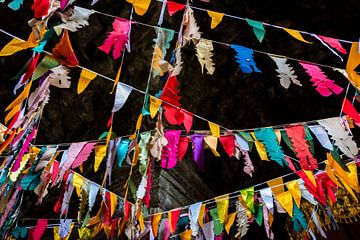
[
  {"x": 228, "y": 143},
  {"x": 174, "y": 7},
  {"x": 173, "y": 219}
]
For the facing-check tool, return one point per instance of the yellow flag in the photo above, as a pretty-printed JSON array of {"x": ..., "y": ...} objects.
[
  {"x": 141, "y": 222},
  {"x": 155, "y": 104},
  {"x": 293, "y": 187},
  {"x": 201, "y": 215},
  {"x": 138, "y": 125},
  {"x": 222, "y": 204},
  {"x": 311, "y": 177},
  {"x": 12, "y": 113},
  {"x": 215, "y": 129},
  {"x": 211, "y": 141},
  {"x": 78, "y": 181},
  {"x": 140, "y": 6},
  {"x": 24, "y": 94},
  {"x": 352, "y": 63},
  {"x": 230, "y": 222},
  {"x": 296, "y": 34},
  {"x": 155, "y": 223},
  {"x": 186, "y": 235},
  {"x": 57, "y": 235},
  {"x": 117, "y": 78},
  {"x": 84, "y": 233},
  {"x": 286, "y": 201},
  {"x": 260, "y": 148},
  {"x": 216, "y": 18},
  {"x": 11, "y": 48},
  {"x": 100, "y": 153},
  {"x": 113, "y": 202},
  {"x": 278, "y": 135},
  {"x": 86, "y": 77},
  {"x": 276, "y": 185}
]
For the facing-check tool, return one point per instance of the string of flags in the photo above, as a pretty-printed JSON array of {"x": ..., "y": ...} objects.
[{"x": 29, "y": 168}]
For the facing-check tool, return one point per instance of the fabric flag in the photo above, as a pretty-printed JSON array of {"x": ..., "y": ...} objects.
[
  {"x": 173, "y": 219},
  {"x": 93, "y": 191},
  {"x": 248, "y": 197},
  {"x": 286, "y": 201},
  {"x": 215, "y": 129},
  {"x": 222, "y": 204},
  {"x": 15, "y": 5},
  {"x": 194, "y": 211},
  {"x": 11, "y": 47},
  {"x": 294, "y": 189},
  {"x": 260, "y": 148},
  {"x": 39, "y": 229},
  {"x": 212, "y": 141},
  {"x": 122, "y": 93},
  {"x": 41, "y": 8},
  {"x": 342, "y": 137},
  {"x": 174, "y": 7},
  {"x": 118, "y": 38},
  {"x": 230, "y": 221},
  {"x": 198, "y": 150},
  {"x": 267, "y": 197},
  {"x": 228, "y": 143},
  {"x": 242, "y": 142},
  {"x": 301, "y": 147},
  {"x": 296, "y": 34},
  {"x": 258, "y": 29},
  {"x": 350, "y": 110},
  {"x": 322, "y": 137},
  {"x": 169, "y": 154},
  {"x": 64, "y": 52},
  {"x": 334, "y": 43},
  {"x": 122, "y": 150},
  {"x": 352, "y": 63},
  {"x": 183, "y": 146},
  {"x": 155, "y": 223},
  {"x": 276, "y": 185},
  {"x": 323, "y": 84},
  {"x": 65, "y": 227},
  {"x": 77, "y": 182},
  {"x": 201, "y": 215},
  {"x": 268, "y": 137},
  {"x": 208, "y": 230},
  {"x": 244, "y": 57},
  {"x": 140, "y": 6},
  {"x": 155, "y": 104},
  {"x": 186, "y": 235},
  {"x": 86, "y": 77},
  {"x": 286, "y": 73},
  {"x": 83, "y": 155},
  {"x": 216, "y": 18},
  {"x": 100, "y": 153},
  {"x": 204, "y": 52}
]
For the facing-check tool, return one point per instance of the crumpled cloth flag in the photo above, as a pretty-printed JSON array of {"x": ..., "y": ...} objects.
[{"x": 245, "y": 58}]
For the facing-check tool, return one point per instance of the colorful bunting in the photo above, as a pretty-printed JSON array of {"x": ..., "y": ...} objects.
[
  {"x": 198, "y": 150},
  {"x": 64, "y": 52},
  {"x": 173, "y": 219},
  {"x": 122, "y": 93},
  {"x": 140, "y": 6},
  {"x": 169, "y": 154},
  {"x": 222, "y": 204},
  {"x": 352, "y": 63},
  {"x": 204, "y": 52},
  {"x": 334, "y": 43},
  {"x": 174, "y": 7},
  {"x": 285, "y": 72}
]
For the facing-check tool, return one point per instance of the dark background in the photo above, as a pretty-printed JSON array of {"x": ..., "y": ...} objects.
[{"x": 228, "y": 97}]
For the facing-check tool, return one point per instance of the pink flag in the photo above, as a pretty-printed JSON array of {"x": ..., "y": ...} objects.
[{"x": 334, "y": 43}]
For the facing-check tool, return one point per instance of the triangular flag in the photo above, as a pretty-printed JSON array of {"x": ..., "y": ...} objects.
[
  {"x": 78, "y": 181},
  {"x": 201, "y": 215},
  {"x": 296, "y": 34},
  {"x": 100, "y": 153},
  {"x": 276, "y": 185},
  {"x": 122, "y": 94},
  {"x": 215, "y": 129},
  {"x": 260, "y": 148},
  {"x": 294, "y": 189},
  {"x": 39, "y": 229},
  {"x": 258, "y": 29},
  {"x": 86, "y": 77},
  {"x": 352, "y": 63},
  {"x": 113, "y": 203},
  {"x": 173, "y": 219},
  {"x": 230, "y": 221},
  {"x": 228, "y": 143},
  {"x": 155, "y": 104},
  {"x": 117, "y": 79},
  {"x": 140, "y": 6},
  {"x": 248, "y": 197},
  {"x": 211, "y": 141},
  {"x": 21, "y": 97},
  {"x": 155, "y": 223},
  {"x": 11, "y": 48},
  {"x": 64, "y": 52},
  {"x": 222, "y": 204},
  {"x": 286, "y": 201},
  {"x": 174, "y": 7},
  {"x": 186, "y": 235},
  {"x": 216, "y": 18}
]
